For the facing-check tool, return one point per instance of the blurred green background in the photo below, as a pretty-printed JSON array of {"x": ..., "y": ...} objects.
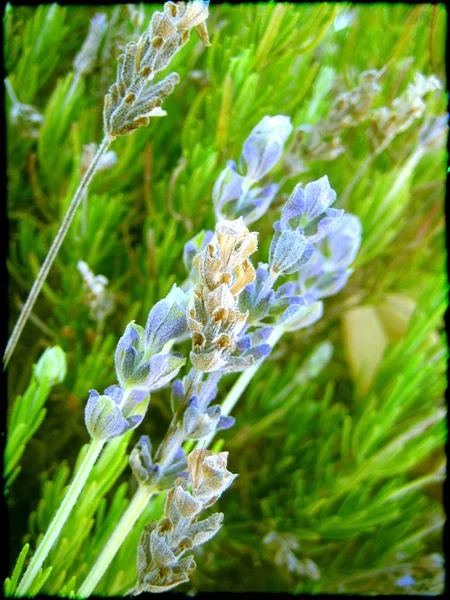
[{"x": 340, "y": 454}]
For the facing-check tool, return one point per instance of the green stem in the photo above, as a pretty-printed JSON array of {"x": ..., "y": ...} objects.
[
  {"x": 11, "y": 93},
  {"x": 64, "y": 227},
  {"x": 61, "y": 516},
  {"x": 123, "y": 528},
  {"x": 240, "y": 386}
]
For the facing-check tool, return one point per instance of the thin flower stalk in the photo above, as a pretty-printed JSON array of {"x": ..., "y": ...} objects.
[
  {"x": 52, "y": 253},
  {"x": 135, "y": 508},
  {"x": 61, "y": 516}
]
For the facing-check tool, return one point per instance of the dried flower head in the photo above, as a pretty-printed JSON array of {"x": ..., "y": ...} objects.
[
  {"x": 214, "y": 318},
  {"x": 406, "y": 108},
  {"x": 131, "y": 101},
  {"x": 162, "y": 563}
]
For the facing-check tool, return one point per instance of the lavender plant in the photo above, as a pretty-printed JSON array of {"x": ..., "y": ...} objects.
[
  {"x": 234, "y": 312},
  {"x": 363, "y": 432}
]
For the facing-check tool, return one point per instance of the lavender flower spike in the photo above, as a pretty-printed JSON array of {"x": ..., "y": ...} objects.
[{"x": 265, "y": 145}]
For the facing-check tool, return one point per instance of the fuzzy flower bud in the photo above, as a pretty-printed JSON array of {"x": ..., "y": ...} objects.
[
  {"x": 208, "y": 473},
  {"x": 256, "y": 299},
  {"x": 199, "y": 423},
  {"x": 193, "y": 247},
  {"x": 85, "y": 59},
  {"x": 233, "y": 198},
  {"x": 134, "y": 369},
  {"x": 131, "y": 102},
  {"x": 141, "y": 461},
  {"x": 308, "y": 211},
  {"x": 327, "y": 272},
  {"x": 52, "y": 366},
  {"x": 167, "y": 320},
  {"x": 289, "y": 250},
  {"x": 114, "y": 412},
  {"x": 265, "y": 145},
  {"x": 299, "y": 316},
  {"x": 129, "y": 352}
]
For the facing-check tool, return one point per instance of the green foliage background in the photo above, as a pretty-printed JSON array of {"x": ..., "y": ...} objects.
[{"x": 350, "y": 480}]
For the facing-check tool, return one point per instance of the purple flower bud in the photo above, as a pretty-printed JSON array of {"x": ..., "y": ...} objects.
[
  {"x": 308, "y": 210},
  {"x": 405, "y": 581},
  {"x": 157, "y": 372},
  {"x": 261, "y": 351},
  {"x": 254, "y": 298},
  {"x": 261, "y": 335},
  {"x": 255, "y": 203},
  {"x": 311, "y": 271},
  {"x": 299, "y": 316},
  {"x": 166, "y": 320},
  {"x": 287, "y": 289},
  {"x": 198, "y": 423},
  {"x": 332, "y": 283},
  {"x": 281, "y": 304},
  {"x": 129, "y": 352},
  {"x": 177, "y": 394},
  {"x": 225, "y": 423},
  {"x": 342, "y": 243},
  {"x": 140, "y": 459},
  {"x": 244, "y": 344},
  {"x": 264, "y": 146},
  {"x": 289, "y": 250},
  {"x": 103, "y": 417},
  {"x": 108, "y": 415}
]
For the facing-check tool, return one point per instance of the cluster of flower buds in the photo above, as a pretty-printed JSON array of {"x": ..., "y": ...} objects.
[
  {"x": 199, "y": 418},
  {"x": 312, "y": 240},
  {"x": 131, "y": 101},
  {"x": 99, "y": 300},
  {"x": 147, "y": 472},
  {"x": 233, "y": 194},
  {"x": 162, "y": 562},
  {"x": 390, "y": 121},
  {"x": 141, "y": 368},
  {"x": 323, "y": 141},
  {"x": 214, "y": 318}
]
